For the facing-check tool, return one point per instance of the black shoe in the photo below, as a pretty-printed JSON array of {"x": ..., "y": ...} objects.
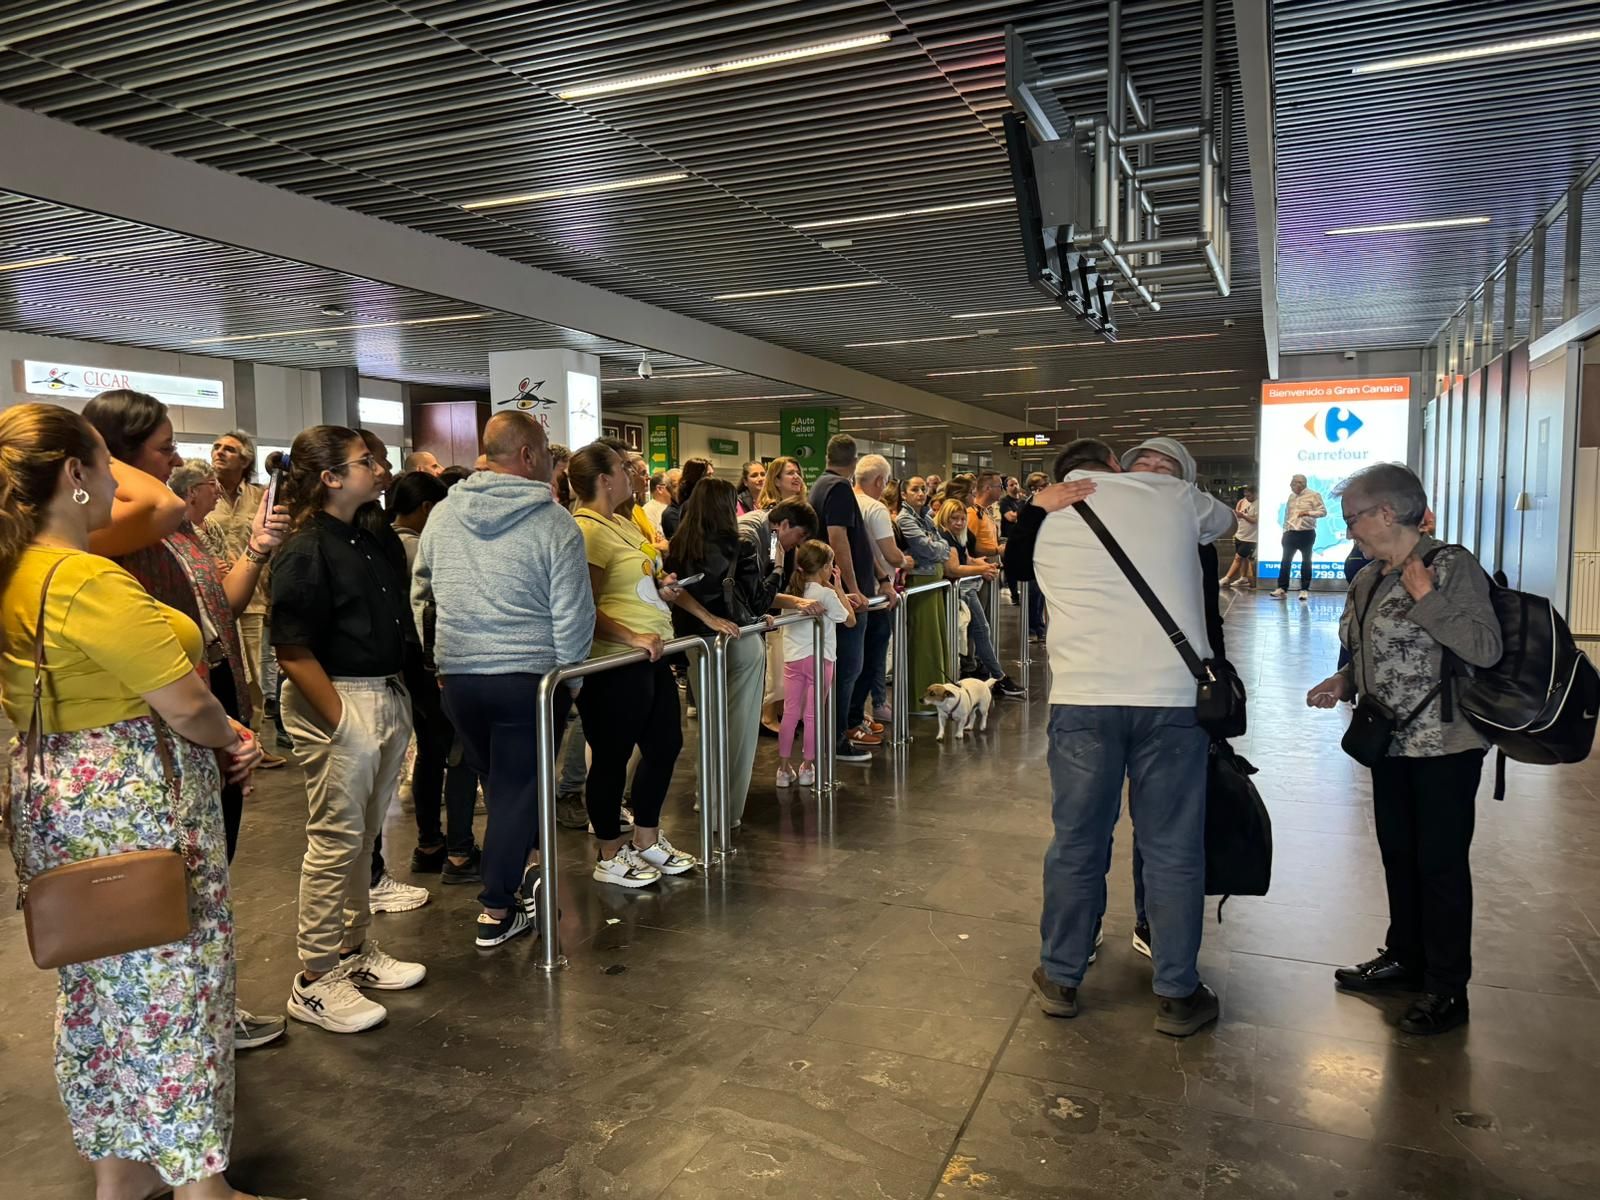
[
  {"x": 427, "y": 862},
  {"x": 1384, "y": 973},
  {"x": 1435, "y": 1013},
  {"x": 851, "y": 753},
  {"x": 1054, "y": 1000},
  {"x": 1141, "y": 940},
  {"x": 470, "y": 871},
  {"x": 1005, "y": 686},
  {"x": 570, "y": 812},
  {"x": 1180, "y": 1018},
  {"x": 491, "y": 933}
]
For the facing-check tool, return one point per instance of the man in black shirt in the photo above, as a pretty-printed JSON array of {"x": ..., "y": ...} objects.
[{"x": 833, "y": 497}]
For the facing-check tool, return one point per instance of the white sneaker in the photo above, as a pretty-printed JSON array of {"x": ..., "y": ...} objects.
[
  {"x": 374, "y": 968},
  {"x": 807, "y": 776},
  {"x": 391, "y": 896},
  {"x": 333, "y": 1003},
  {"x": 625, "y": 819},
  {"x": 628, "y": 869},
  {"x": 667, "y": 858},
  {"x": 786, "y": 777},
  {"x": 1278, "y": 593},
  {"x": 1304, "y": 595}
]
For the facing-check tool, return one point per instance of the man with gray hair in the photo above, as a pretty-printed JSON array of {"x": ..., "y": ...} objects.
[
  {"x": 1299, "y": 535},
  {"x": 872, "y": 476}
]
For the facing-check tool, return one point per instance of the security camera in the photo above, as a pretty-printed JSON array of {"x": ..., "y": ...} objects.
[
  {"x": 1349, "y": 356},
  {"x": 646, "y": 371}
]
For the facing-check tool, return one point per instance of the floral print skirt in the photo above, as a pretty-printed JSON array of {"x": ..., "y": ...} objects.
[{"x": 144, "y": 1041}]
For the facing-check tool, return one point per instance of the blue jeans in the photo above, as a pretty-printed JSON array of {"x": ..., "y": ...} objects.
[
  {"x": 1035, "y": 611},
  {"x": 1162, "y": 752},
  {"x": 874, "y": 658},
  {"x": 982, "y": 640},
  {"x": 846, "y": 670}
]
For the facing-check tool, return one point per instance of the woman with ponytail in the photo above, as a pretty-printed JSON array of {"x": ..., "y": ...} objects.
[
  {"x": 144, "y": 1040},
  {"x": 340, "y": 607}
]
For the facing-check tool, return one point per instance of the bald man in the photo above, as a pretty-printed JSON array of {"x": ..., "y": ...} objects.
[
  {"x": 505, "y": 569},
  {"x": 421, "y": 460}
]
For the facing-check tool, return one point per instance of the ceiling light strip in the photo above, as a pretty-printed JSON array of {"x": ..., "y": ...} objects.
[
  {"x": 635, "y": 82},
  {"x": 285, "y": 333},
  {"x": 23, "y": 264},
  {"x": 982, "y": 371},
  {"x": 928, "y": 211},
  {"x": 1166, "y": 337},
  {"x": 793, "y": 291},
  {"x": 949, "y": 337},
  {"x": 1407, "y": 226},
  {"x": 1005, "y": 312},
  {"x": 1491, "y": 50},
  {"x": 587, "y": 189}
]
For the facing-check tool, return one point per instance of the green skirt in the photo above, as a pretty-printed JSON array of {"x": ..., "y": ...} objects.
[{"x": 928, "y": 656}]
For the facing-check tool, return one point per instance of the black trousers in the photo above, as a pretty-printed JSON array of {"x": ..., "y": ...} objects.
[
  {"x": 636, "y": 705},
  {"x": 495, "y": 716},
  {"x": 1297, "y": 541},
  {"x": 232, "y": 793},
  {"x": 1425, "y": 810},
  {"x": 432, "y": 786}
]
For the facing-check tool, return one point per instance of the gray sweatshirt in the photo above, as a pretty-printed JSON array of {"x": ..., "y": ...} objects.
[
  {"x": 504, "y": 566},
  {"x": 1398, "y": 650}
]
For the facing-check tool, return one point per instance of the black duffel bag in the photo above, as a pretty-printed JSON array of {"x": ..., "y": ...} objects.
[{"x": 1238, "y": 828}]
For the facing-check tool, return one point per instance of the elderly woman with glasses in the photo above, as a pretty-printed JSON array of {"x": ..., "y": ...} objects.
[{"x": 1416, "y": 600}]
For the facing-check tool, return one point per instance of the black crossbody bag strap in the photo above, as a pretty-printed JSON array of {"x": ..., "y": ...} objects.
[{"x": 1176, "y": 636}]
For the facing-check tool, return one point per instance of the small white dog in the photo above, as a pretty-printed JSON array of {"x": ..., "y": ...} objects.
[{"x": 964, "y": 707}]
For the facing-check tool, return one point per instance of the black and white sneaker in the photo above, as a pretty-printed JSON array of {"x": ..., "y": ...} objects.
[
  {"x": 850, "y": 752},
  {"x": 1141, "y": 940},
  {"x": 528, "y": 893},
  {"x": 333, "y": 1003},
  {"x": 1099, "y": 940},
  {"x": 1008, "y": 689},
  {"x": 492, "y": 932}
]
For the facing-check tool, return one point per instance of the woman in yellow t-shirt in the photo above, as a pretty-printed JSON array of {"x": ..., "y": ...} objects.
[
  {"x": 635, "y": 705},
  {"x": 144, "y": 1040}
]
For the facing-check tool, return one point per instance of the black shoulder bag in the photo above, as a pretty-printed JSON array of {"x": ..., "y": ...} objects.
[{"x": 1219, "y": 699}]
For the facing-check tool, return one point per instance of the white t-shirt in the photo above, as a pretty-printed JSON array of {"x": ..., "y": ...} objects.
[
  {"x": 1105, "y": 646},
  {"x": 875, "y": 516},
  {"x": 797, "y": 637},
  {"x": 653, "y": 509},
  {"x": 1249, "y": 523}
]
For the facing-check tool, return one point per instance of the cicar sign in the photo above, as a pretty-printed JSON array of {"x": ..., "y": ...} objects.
[{"x": 58, "y": 381}]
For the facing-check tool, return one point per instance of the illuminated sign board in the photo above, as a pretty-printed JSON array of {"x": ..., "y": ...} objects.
[
  {"x": 1030, "y": 441},
  {"x": 60, "y": 381},
  {"x": 1325, "y": 430}
]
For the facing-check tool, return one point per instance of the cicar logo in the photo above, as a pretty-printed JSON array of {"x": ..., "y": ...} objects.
[
  {"x": 1336, "y": 424},
  {"x": 528, "y": 397}
]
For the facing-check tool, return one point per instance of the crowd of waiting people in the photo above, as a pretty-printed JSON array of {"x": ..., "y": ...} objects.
[{"x": 191, "y": 615}]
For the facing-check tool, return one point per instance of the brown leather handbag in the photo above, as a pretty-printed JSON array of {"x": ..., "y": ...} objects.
[{"x": 101, "y": 906}]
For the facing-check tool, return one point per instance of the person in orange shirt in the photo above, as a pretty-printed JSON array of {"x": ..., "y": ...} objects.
[{"x": 985, "y": 533}]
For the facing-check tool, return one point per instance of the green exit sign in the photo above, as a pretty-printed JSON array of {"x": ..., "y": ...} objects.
[{"x": 723, "y": 445}]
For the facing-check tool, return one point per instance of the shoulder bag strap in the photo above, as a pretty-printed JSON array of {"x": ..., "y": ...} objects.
[
  {"x": 36, "y": 719},
  {"x": 1179, "y": 640}
]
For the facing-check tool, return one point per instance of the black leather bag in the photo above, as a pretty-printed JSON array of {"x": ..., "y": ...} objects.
[
  {"x": 1219, "y": 696},
  {"x": 1373, "y": 726}
]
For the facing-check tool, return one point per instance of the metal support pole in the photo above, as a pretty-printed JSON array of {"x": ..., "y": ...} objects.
[
  {"x": 1024, "y": 646},
  {"x": 952, "y": 612},
  {"x": 900, "y": 685},
  {"x": 1573, "y": 259},
  {"x": 821, "y": 712},
  {"x": 1115, "y": 106},
  {"x": 1154, "y": 137},
  {"x": 1508, "y": 332},
  {"x": 710, "y": 714},
  {"x": 1486, "y": 334},
  {"x": 714, "y": 730},
  {"x": 1536, "y": 287},
  {"x": 1102, "y": 178},
  {"x": 550, "y": 956}
]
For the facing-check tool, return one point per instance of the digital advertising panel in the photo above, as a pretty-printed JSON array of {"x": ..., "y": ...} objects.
[{"x": 1325, "y": 430}]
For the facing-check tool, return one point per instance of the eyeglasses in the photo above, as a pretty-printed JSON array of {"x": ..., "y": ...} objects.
[
  {"x": 1351, "y": 518},
  {"x": 366, "y": 460}
]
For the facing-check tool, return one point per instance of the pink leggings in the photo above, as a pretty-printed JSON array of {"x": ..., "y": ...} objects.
[{"x": 798, "y": 696}]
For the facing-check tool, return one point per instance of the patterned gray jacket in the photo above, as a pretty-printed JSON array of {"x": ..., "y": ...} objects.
[{"x": 1397, "y": 650}]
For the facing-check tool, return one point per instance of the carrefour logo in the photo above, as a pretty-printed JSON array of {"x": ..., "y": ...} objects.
[{"x": 1336, "y": 424}]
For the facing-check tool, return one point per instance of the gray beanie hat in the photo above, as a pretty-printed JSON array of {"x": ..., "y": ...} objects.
[{"x": 1171, "y": 447}]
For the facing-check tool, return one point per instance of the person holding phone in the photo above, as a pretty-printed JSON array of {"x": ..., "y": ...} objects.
[{"x": 635, "y": 705}]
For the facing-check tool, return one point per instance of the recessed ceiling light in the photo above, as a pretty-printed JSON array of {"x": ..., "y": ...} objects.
[
  {"x": 283, "y": 333},
  {"x": 24, "y": 263},
  {"x": 1407, "y": 226},
  {"x": 1037, "y": 392},
  {"x": 1491, "y": 50},
  {"x": 1151, "y": 392},
  {"x": 675, "y": 375},
  {"x": 949, "y": 337},
  {"x": 981, "y": 371},
  {"x": 1166, "y": 337},
  {"x": 729, "y": 399},
  {"x": 587, "y": 189},
  {"x": 791, "y": 291},
  {"x": 1162, "y": 375},
  {"x": 928, "y": 211},
  {"x": 1004, "y": 312},
  {"x": 773, "y": 58},
  {"x": 836, "y": 243}
]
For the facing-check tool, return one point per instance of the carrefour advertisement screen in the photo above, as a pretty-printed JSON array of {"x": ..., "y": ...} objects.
[{"x": 1325, "y": 430}]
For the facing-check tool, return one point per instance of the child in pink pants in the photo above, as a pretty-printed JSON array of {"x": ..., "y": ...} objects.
[{"x": 815, "y": 578}]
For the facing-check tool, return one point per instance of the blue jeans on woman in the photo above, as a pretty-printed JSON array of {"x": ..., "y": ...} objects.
[{"x": 982, "y": 640}]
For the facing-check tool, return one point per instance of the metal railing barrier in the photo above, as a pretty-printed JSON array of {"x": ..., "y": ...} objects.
[
  {"x": 1024, "y": 619},
  {"x": 550, "y": 956},
  {"x": 900, "y": 730}
]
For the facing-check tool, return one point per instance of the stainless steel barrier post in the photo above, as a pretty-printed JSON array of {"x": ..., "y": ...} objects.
[
  {"x": 1024, "y": 633},
  {"x": 822, "y": 712},
  {"x": 710, "y": 718},
  {"x": 713, "y": 732},
  {"x": 952, "y": 614},
  {"x": 550, "y": 956}
]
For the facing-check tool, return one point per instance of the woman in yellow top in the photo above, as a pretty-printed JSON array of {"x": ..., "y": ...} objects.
[
  {"x": 144, "y": 1040},
  {"x": 635, "y": 705}
]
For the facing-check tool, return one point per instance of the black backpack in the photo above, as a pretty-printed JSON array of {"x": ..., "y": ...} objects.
[
  {"x": 1540, "y": 702},
  {"x": 1238, "y": 828}
]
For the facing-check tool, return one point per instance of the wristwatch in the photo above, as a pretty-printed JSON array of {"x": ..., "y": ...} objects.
[{"x": 256, "y": 556}]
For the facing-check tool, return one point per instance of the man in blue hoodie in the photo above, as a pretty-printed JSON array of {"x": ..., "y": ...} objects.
[{"x": 504, "y": 566}]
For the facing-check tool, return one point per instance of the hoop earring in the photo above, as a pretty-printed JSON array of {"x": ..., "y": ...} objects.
[{"x": 79, "y": 496}]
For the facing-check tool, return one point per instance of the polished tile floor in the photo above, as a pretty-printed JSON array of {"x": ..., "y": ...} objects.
[{"x": 843, "y": 1011}]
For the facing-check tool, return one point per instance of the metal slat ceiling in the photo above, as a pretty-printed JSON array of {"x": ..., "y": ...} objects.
[
  {"x": 406, "y": 111},
  {"x": 1498, "y": 137}
]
